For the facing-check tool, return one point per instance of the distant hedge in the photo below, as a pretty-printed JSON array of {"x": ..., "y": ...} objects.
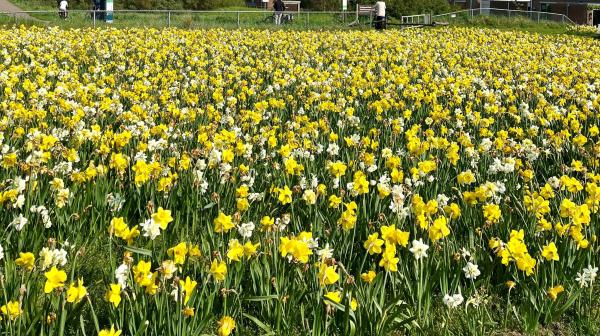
[
  {"x": 394, "y": 7},
  {"x": 177, "y": 4},
  {"x": 163, "y": 4}
]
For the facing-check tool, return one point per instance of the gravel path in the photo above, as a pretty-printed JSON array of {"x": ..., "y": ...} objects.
[{"x": 6, "y": 6}]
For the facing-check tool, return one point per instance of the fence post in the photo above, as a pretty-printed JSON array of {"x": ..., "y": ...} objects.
[
  {"x": 94, "y": 17},
  {"x": 169, "y": 19},
  {"x": 307, "y": 19},
  {"x": 238, "y": 19}
]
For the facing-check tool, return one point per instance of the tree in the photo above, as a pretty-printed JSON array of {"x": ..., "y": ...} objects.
[
  {"x": 210, "y": 4},
  {"x": 395, "y": 8},
  {"x": 410, "y": 7}
]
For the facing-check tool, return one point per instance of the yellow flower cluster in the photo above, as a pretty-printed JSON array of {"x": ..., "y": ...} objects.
[{"x": 219, "y": 182}]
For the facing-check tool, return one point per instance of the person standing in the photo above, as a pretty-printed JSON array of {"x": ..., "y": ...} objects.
[
  {"x": 379, "y": 9},
  {"x": 62, "y": 8},
  {"x": 279, "y": 8}
]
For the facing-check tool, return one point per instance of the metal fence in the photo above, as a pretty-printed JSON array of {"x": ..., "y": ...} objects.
[
  {"x": 179, "y": 18},
  {"x": 532, "y": 15},
  {"x": 247, "y": 18},
  {"x": 416, "y": 19}
]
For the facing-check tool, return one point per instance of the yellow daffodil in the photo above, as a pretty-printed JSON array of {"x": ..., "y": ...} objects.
[
  {"x": 187, "y": 287},
  {"x": 110, "y": 332},
  {"x": 226, "y": 325},
  {"x": 113, "y": 295},
  {"x": 218, "y": 269},
  {"x": 55, "y": 278},
  {"x": 162, "y": 217},
  {"x": 550, "y": 252},
  {"x": 76, "y": 292}
]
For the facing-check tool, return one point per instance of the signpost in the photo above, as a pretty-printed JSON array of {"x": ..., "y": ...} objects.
[{"x": 109, "y": 11}]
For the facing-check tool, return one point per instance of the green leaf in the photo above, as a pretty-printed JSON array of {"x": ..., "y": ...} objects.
[
  {"x": 352, "y": 329},
  {"x": 567, "y": 304},
  {"x": 341, "y": 307},
  {"x": 400, "y": 321},
  {"x": 261, "y": 298},
  {"x": 263, "y": 326},
  {"x": 142, "y": 330},
  {"x": 82, "y": 324},
  {"x": 138, "y": 250}
]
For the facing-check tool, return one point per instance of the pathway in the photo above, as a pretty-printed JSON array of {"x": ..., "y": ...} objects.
[{"x": 6, "y": 6}]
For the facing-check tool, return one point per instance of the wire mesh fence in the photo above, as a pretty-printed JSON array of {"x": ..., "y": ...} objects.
[
  {"x": 180, "y": 18},
  {"x": 495, "y": 12},
  {"x": 415, "y": 19},
  {"x": 249, "y": 18}
]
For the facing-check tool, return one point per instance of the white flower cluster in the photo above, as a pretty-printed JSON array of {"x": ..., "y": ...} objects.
[
  {"x": 471, "y": 271},
  {"x": 44, "y": 213},
  {"x": 586, "y": 279},
  {"x": 19, "y": 222},
  {"x": 419, "y": 249},
  {"x": 20, "y": 184},
  {"x": 506, "y": 166},
  {"x": 453, "y": 301},
  {"x": 245, "y": 230},
  {"x": 52, "y": 257},
  {"x": 397, "y": 202},
  {"x": 199, "y": 178},
  {"x": 283, "y": 222},
  {"x": 122, "y": 274},
  {"x": 151, "y": 228}
]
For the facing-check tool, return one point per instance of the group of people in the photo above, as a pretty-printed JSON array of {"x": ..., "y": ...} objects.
[
  {"x": 63, "y": 6},
  {"x": 378, "y": 9},
  {"x": 278, "y": 6}
]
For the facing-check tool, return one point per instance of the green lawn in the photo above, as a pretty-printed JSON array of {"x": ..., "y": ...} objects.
[
  {"x": 182, "y": 19},
  {"x": 518, "y": 24},
  {"x": 262, "y": 19}
]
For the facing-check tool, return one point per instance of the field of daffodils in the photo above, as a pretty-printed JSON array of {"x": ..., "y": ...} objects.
[{"x": 178, "y": 182}]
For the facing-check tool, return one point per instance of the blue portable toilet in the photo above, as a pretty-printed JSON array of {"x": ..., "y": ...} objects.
[{"x": 109, "y": 11}]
